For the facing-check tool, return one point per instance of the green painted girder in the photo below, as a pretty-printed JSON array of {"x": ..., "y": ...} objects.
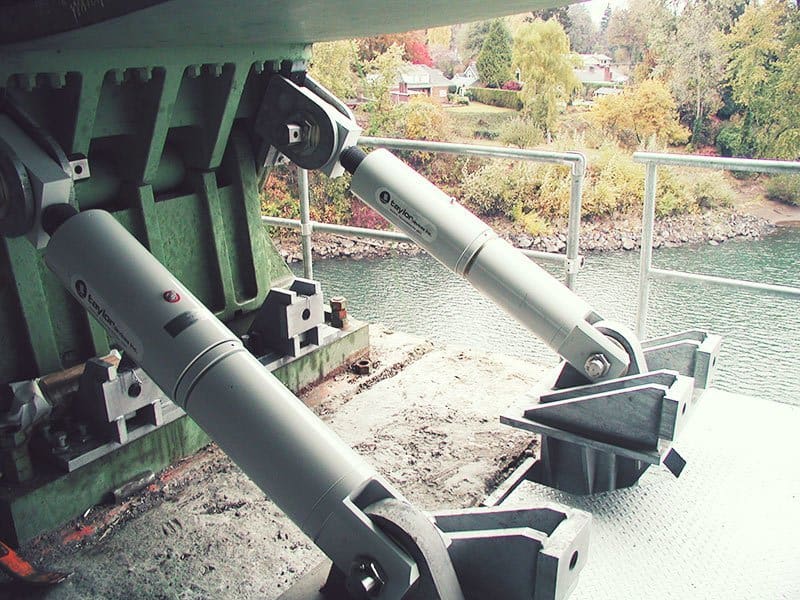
[
  {"x": 170, "y": 147},
  {"x": 83, "y": 95},
  {"x": 189, "y": 22}
]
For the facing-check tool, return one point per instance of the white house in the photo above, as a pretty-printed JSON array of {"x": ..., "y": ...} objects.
[
  {"x": 598, "y": 68},
  {"x": 467, "y": 78},
  {"x": 420, "y": 79}
]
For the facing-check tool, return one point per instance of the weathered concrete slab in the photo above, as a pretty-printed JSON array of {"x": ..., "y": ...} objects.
[{"x": 426, "y": 417}]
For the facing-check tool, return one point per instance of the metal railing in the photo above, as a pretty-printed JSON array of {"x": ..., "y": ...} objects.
[
  {"x": 646, "y": 269},
  {"x": 572, "y": 260}
]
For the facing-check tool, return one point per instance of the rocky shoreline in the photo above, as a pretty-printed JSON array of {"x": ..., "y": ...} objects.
[{"x": 598, "y": 236}]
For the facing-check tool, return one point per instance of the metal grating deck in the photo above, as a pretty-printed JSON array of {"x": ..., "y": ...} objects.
[{"x": 728, "y": 528}]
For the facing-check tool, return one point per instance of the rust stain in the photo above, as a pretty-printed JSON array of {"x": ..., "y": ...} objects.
[{"x": 79, "y": 534}]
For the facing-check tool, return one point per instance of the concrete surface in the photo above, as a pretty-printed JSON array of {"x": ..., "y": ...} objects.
[{"x": 426, "y": 417}]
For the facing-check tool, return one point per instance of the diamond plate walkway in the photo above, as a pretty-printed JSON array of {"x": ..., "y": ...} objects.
[{"x": 728, "y": 528}]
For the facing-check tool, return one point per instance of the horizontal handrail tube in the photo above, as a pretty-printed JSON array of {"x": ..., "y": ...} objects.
[
  {"x": 718, "y": 162},
  {"x": 780, "y": 290},
  {"x": 395, "y": 236},
  {"x": 568, "y": 158},
  {"x": 377, "y": 234}
]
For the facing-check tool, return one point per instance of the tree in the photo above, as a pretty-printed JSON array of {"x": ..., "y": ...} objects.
[
  {"x": 476, "y": 35},
  {"x": 440, "y": 36},
  {"x": 764, "y": 76},
  {"x": 369, "y": 48},
  {"x": 605, "y": 19},
  {"x": 494, "y": 60},
  {"x": 541, "y": 51},
  {"x": 723, "y": 12},
  {"x": 445, "y": 60},
  {"x": 332, "y": 65},
  {"x": 421, "y": 118},
  {"x": 642, "y": 113},
  {"x": 560, "y": 14},
  {"x": 412, "y": 42},
  {"x": 628, "y": 28},
  {"x": 442, "y": 49},
  {"x": 417, "y": 53},
  {"x": 696, "y": 64},
  {"x": 756, "y": 45},
  {"x": 582, "y": 31},
  {"x": 380, "y": 74}
]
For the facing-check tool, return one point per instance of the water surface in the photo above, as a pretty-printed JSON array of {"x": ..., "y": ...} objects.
[{"x": 761, "y": 347}]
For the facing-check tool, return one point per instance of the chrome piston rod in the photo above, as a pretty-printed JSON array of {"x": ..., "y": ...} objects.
[{"x": 470, "y": 248}]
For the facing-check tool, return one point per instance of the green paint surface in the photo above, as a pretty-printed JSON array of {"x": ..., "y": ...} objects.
[{"x": 199, "y": 214}]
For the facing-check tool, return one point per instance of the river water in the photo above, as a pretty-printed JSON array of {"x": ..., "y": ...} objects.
[{"x": 761, "y": 333}]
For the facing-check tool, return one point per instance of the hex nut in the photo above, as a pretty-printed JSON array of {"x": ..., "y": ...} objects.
[
  {"x": 362, "y": 366},
  {"x": 596, "y": 366}
]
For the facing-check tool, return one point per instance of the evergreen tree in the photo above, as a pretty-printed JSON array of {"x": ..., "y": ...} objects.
[
  {"x": 494, "y": 60},
  {"x": 476, "y": 35},
  {"x": 605, "y": 19}
]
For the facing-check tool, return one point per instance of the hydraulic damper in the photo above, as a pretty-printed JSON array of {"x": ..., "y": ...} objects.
[
  {"x": 380, "y": 546},
  {"x": 615, "y": 404}
]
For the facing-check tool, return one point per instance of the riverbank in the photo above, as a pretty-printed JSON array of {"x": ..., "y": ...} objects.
[{"x": 602, "y": 235}]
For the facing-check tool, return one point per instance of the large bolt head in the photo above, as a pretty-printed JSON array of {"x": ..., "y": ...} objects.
[{"x": 596, "y": 366}]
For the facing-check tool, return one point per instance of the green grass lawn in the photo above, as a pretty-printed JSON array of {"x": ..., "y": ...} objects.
[{"x": 476, "y": 108}]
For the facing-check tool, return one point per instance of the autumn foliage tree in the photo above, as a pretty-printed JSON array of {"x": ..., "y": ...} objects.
[
  {"x": 541, "y": 50},
  {"x": 417, "y": 53},
  {"x": 642, "y": 114},
  {"x": 415, "y": 50},
  {"x": 440, "y": 36},
  {"x": 371, "y": 47}
]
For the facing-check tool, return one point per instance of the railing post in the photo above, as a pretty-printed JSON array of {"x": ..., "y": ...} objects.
[
  {"x": 578, "y": 170},
  {"x": 648, "y": 223},
  {"x": 306, "y": 227}
]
